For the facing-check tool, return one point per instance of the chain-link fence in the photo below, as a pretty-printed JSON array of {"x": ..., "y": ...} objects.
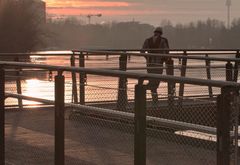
[
  {"x": 181, "y": 127},
  {"x": 200, "y": 68},
  {"x": 234, "y": 121}
]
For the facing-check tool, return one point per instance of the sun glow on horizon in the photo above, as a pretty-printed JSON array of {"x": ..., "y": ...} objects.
[
  {"x": 83, "y": 7},
  {"x": 105, "y": 7},
  {"x": 72, "y": 11},
  {"x": 83, "y": 4}
]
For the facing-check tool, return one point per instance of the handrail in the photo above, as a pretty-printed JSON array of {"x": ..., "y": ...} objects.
[
  {"x": 171, "y": 51},
  {"x": 163, "y": 55},
  {"x": 35, "y": 54},
  {"x": 115, "y": 73},
  {"x": 126, "y": 52},
  {"x": 162, "y": 49}
]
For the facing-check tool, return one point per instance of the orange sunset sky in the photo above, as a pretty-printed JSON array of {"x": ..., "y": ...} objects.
[{"x": 147, "y": 11}]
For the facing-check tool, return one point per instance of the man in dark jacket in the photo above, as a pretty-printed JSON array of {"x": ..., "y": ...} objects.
[{"x": 155, "y": 63}]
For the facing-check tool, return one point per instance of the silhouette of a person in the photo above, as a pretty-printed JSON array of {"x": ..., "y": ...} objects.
[{"x": 155, "y": 63}]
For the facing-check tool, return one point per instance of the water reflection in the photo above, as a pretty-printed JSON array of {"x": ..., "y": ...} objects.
[
  {"x": 98, "y": 88},
  {"x": 33, "y": 88},
  {"x": 39, "y": 89}
]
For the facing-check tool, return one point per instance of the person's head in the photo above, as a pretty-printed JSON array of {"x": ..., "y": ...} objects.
[{"x": 158, "y": 31}]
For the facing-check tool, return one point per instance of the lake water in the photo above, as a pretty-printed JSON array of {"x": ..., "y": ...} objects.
[{"x": 102, "y": 88}]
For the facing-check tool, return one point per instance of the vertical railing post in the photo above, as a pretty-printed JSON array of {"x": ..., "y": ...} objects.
[
  {"x": 183, "y": 74},
  {"x": 82, "y": 79},
  {"x": 140, "y": 125},
  {"x": 74, "y": 81},
  {"x": 18, "y": 85},
  {"x": 122, "y": 85},
  {"x": 235, "y": 76},
  {"x": 59, "y": 119},
  {"x": 2, "y": 115},
  {"x": 229, "y": 71},
  {"x": 224, "y": 108},
  {"x": 208, "y": 70},
  {"x": 171, "y": 85}
]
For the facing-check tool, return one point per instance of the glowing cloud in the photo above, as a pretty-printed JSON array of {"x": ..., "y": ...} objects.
[
  {"x": 75, "y": 11},
  {"x": 84, "y": 4}
]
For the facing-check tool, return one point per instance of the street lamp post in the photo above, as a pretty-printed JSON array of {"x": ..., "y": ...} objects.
[{"x": 228, "y": 4}]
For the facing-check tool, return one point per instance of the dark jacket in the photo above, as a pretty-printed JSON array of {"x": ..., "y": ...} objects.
[{"x": 157, "y": 43}]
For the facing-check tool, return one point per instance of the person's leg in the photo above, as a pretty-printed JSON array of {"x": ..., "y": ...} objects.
[
  {"x": 169, "y": 66},
  {"x": 154, "y": 84},
  {"x": 171, "y": 85}
]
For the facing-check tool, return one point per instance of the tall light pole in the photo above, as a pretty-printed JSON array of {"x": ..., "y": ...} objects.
[{"x": 228, "y": 4}]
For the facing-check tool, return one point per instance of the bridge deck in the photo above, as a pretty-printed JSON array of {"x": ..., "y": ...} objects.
[{"x": 91, "y": 141}]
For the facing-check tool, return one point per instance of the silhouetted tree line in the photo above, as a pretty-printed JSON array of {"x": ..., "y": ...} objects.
[
  {"x": 69, "y": 34},
  {"x": 204, "y": 34}
]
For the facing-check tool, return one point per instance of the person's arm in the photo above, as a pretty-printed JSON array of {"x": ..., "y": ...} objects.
[
  {"x": 145, "y": 46},
  {"x": 166, "y": 46}
]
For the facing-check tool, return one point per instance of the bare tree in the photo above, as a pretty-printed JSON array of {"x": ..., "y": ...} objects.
[{"x": 20, "y": 27}]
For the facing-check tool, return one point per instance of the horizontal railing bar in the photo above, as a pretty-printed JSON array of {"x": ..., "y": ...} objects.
[
  {"x": 89, "y": 53},
  {"x": 34, "y": 54},
  {"x": 173, "y": 124},
  {"x": 165, "y": 55},
  {"x": 177, "y": 51},
  {"x": 17, "y": 69},
  {"x": 45, "y": 101},
  {"x": 175, "y": 67},
  {"x": 129, "y": 68},
  {"x": 104, "y": 53},
  {"x": 117, "y": 73},
  {"x": 163, "y": 122},
  {"x": 169, "y": 54},
  {"x": 182, "y": 50}
]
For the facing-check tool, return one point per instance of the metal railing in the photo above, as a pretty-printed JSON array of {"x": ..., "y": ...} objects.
[
  {"x": 175, "y": 120},
  {"x": 143, "y": 120},
  {"x": 227, "y": 69}
]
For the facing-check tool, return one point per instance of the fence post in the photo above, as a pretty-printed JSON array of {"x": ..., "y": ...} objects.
[
  {"x": 122, "y": 85},
  {"x": 171, "y": 85},
  {"x": 183, "y": 74},
  {"x": 2, "y": 116},
  {"x": 208, "y": 70},
  {"x": 19, "y": 85},
  {"x": 74, "y": 81},
  {"x": 140, "y": 125},
  {"x": 235, "y": 76},
  {"x": 224, "y": 102},
  {"x": 59, "y": 119},
  {"x": 82, "y": 79},
  {"x": 229, "y": 69}
]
